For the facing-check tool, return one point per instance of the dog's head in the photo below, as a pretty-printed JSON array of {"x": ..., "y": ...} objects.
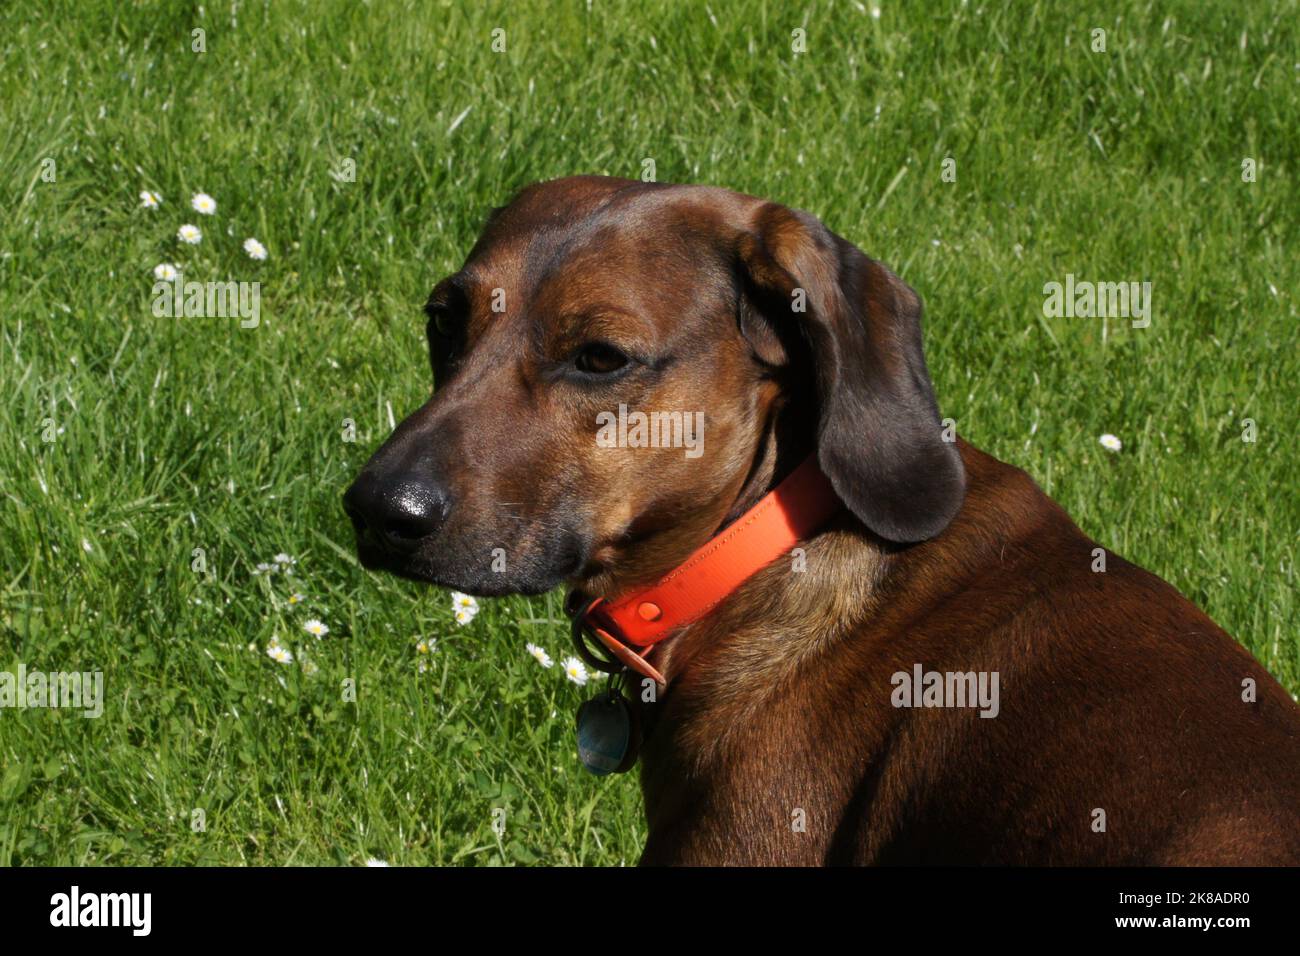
[{"x": 588, "y": 302}]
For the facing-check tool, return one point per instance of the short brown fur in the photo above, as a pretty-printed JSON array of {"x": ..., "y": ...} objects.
[{"x": 1116, "y": 693}]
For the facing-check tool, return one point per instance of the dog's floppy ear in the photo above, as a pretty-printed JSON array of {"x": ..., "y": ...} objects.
[{"x": 879, "y": 438}]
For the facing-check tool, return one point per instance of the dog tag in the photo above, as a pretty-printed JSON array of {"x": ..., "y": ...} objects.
[{"x": 606, "y": 734}]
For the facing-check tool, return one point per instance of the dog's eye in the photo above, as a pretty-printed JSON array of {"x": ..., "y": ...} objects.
[
  {"x": 442, "y": 321},
  {"x": 597, "y": 358},
  {"x": 445, "y": 333}
]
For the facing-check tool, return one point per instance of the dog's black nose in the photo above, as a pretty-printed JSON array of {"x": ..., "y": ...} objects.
[{"x": 398, "y": 512}]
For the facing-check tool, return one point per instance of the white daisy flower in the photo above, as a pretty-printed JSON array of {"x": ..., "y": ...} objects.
[
  {"x": 203, "y": 204},
  {"x": 315, "y": 628},
  {"x": 373, "y": 862},
  {"x": 574, "y": 670},
  {"x": 464, "y": 607},
  {"x": 189, "y": 234},
  {"x": 426, "y": 646},
  {"x": 1110, "y": 442},
  {"x": 464, "y": 601},
  {"x": 296, "y": 598},
  {"x": 279, "y": 654},
  {"x": 149, "y": 199},
  {"x": 422, "y": 665},
  {"x": 254, "y": 249},
  {"x": 264, "y": 568},
  {"x": 285, "y": 559},
  {"x": 165, "y": 271},
  {"x": 540, "y": 655}
]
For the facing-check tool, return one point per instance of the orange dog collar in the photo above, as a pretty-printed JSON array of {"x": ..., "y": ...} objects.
[{"x": 788, "y": 514}]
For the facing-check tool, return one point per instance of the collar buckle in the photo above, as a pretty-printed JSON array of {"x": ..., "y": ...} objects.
[{"x": 586, "y": 624}]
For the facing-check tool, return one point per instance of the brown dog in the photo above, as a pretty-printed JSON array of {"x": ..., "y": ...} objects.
[{"x": 1126, "y": 727}]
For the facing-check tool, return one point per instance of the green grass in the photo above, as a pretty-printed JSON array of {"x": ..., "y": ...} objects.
[{"x": 195, "y": 433}]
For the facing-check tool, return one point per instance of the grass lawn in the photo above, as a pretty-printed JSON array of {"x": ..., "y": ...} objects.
[{"x": 363, "y": 144}]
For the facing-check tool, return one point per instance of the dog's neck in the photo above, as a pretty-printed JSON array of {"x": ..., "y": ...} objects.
[
  {"x": 728, "y": 673},
  {"x": 842, "y": 542},
  {"x": 839, "y": 577},
  {"x": 780, "y": 450},
  {"x": 735, "y": 675},
  {"x": 761, "y": 630}
]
